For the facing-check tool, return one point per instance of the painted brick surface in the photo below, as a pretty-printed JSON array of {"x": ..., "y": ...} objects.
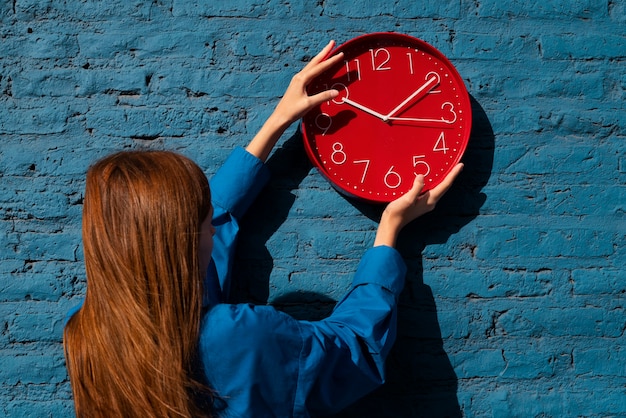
[{"x": 514, "y": 302}]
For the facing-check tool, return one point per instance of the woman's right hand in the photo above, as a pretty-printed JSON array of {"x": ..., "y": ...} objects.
[
  {"x": 296, "y": 102},
  {"x": 411, "y": 206}
]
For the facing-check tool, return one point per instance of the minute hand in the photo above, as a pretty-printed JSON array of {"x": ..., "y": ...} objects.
[{"x": 417, "y": 95}]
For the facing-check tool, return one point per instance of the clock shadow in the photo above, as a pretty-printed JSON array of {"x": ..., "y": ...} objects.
[
  {"x": 340, "y": 120},
  {"x": 421, "y": 381},
  {"x": 253, "y": 263},
  {"x": 420, "y": 378}
]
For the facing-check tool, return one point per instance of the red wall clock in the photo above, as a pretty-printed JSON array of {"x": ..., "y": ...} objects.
[{"x": 402, "y": 110}]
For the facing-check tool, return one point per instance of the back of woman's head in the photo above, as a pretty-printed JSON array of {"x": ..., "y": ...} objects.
[{"x": 130, "y": 349}]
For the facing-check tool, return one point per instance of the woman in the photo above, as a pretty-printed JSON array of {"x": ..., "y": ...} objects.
[{"x": 154, "y": 337}]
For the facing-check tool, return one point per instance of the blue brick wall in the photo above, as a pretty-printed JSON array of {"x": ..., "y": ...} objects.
[{"x": 514, "y": 304}]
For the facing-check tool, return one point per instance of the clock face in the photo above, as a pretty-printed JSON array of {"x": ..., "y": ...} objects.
[{"x": 402, "y": 110}]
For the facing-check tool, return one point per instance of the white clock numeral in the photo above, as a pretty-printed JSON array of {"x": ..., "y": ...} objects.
[
  {"x": 341, "y": 87},
  {"x": 392, "y": 179},
  {"x": 367, "y": 166},
  {"x": 338, "y": 156},
  {"x": 451, "y": 110},
  {"x": 385, "y": 56},
  {"x": 440, "y": 145},
  {"x": 417, "y": 161},
  {"x": 409, "y": 56},
  {"x": 429, "y": 75},
  {"x": 323, "y": 121},
  {"x": 358, "y": 69}
]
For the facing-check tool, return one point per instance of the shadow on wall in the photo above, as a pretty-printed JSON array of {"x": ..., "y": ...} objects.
[{"x": 420, "y": 378}]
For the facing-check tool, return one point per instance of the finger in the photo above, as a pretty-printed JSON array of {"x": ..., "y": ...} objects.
[
  {"x": 414, "y": 193},
  {"x": 418, "y": 186},
  {"x": 447, "y": 182},
  {"x": 312, "y": 71},
  {"x": 322, "y": 97},
  {"x": 322, "y": 55}
]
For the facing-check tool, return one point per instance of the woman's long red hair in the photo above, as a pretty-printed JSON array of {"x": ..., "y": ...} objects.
[{"x": 132, "y": 347}]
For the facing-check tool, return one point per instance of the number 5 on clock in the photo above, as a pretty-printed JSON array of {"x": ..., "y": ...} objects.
[{"x": 417, "y": 161}]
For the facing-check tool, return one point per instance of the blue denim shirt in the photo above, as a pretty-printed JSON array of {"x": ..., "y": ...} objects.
[{"x": 264, "y": 363}]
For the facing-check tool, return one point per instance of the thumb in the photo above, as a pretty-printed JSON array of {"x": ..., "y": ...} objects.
[{"x": 416, "y": 189}]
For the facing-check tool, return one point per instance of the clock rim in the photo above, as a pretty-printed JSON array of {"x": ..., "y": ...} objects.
[{"x": 431, "y": 50}]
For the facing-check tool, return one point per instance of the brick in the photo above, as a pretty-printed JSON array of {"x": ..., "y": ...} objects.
[
  {"x": 32, "y": 9},
  {"x": 562, "y": 321},
  {"x": 44, "y": 83},
  {"x": 569, "y": 84},
  {"x": 5, "y": 9},
  {"x": 617, "y": 11},
  {"x": 48, "y": 46},
  {"x": 543, "y": 398},
  {"x": 363, "y": 9},
  {"x": 483, "y": 363},
  {"x": 61, "y": 246},
  {"x": 541, "y": 9},
  {"x": 600, "y": 361},
  {"x": 32, "y": 367},
  {"x": 18, "y": 409},
  {"x": 36, "y": 120},
  {"x": 82, "y": 83},
  {"x": 588, "y": 200},
  {"x": 524, "y": 119},
  {"x": 568, "y": 242},
  {"x": 598, "y": 281},
  {"x": 527, "y": 362},
  {"x": 327, "y": 243},
  {"x": 146, "y": 122},
  {"x": 40, "y": 281},
  {"x": 600, "y": 46},
  {"x": 494, "y": 283},
  {"x": 146, "y": 46},
  {"x": 303, "y": 287},
  {"x": 236, "y": 8},
  {"x": 46, "y": 325},
  {"x": 483, "y": 46}
]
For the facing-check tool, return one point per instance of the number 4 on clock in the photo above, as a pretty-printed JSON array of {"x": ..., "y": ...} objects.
[{"x": 440, "y": 145}]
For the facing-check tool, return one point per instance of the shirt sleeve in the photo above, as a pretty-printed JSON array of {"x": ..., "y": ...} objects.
[
  {"x": 233, "y": 189},
  {"x": 347, "y": 351},
  {"x": 263, "y": 362}
]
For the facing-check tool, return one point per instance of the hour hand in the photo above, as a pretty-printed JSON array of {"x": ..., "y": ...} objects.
[{"x": 364, "y": 109}]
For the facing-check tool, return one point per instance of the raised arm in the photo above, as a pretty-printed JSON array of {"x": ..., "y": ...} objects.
[
  {"x": 411, "y": 206},
  {"x": 294, "y": 104}
]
